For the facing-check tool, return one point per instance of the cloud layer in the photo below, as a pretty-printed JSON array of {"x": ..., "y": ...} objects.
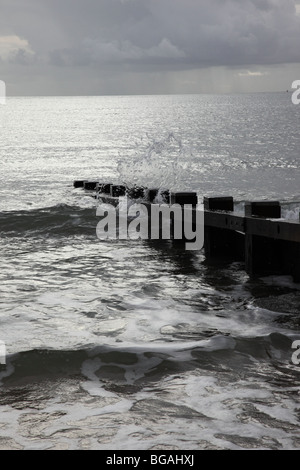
[{"x": 148, "y": 36}]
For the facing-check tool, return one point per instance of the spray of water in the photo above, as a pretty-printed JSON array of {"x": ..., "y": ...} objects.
[{"x": 164, "y": 164}]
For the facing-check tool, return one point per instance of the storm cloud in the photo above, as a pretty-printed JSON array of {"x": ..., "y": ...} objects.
[{"x": 130, "y": 38}]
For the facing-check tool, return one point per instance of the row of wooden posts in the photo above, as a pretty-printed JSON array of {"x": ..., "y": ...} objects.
[{"x": 259, "y": 237}]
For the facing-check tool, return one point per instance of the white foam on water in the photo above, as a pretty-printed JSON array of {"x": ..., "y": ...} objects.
[
  {"x": 283, "y": 281},
  {"x": 147, "y": 323},
  {"x": 291, "y": 211}
]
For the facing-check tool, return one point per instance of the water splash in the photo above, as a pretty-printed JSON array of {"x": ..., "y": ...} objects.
[
  {"x": 164, "y": 164},
  {"x": 290, "y": 211}
]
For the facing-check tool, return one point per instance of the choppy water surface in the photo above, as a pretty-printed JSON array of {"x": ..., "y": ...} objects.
[{"x": 142, "y": 345}]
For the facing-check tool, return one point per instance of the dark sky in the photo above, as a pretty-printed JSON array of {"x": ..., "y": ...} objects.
[{"x": 95, "y": 47}]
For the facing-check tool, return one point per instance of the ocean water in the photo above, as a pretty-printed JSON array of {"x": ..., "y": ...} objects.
[{"x": 123, "y": 344}]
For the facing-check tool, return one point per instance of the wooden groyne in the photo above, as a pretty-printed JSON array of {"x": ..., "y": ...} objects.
[
  {"x": 267, "y": 243},
  {"x": 258, "y": 236}
]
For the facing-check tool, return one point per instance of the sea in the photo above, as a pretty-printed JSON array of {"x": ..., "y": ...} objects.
[{"x": 132, "y": 345}]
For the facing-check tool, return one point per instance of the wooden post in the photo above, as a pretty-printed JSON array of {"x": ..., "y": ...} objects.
[
  {"x": 290, "y": 259},
  {"x": 183, "y": 199},
  {"x": 90, "y": 185},
  {"x": 136, "y": 192},
  {"x": 219, "y": 241},
  {"x": 266, "y": 209},
  {"x": 163, "y": 195},
  {"x": 79, "y": 183},
  {"x": 117, "y": 190},
  {"x": 150, "y": 194},
  {"x": 263, "y": 255},
  {"x": 218, "y": 204},
  {"x": 104, "y": 188}
]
